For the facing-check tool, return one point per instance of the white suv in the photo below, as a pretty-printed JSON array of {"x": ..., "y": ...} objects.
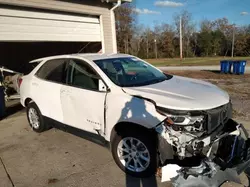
[{"x": 150, "y": 118}]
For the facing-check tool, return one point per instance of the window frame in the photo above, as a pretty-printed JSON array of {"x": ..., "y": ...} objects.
[
  {"x": 93, "y": 69},
  {"x": 47, "y": 61}
]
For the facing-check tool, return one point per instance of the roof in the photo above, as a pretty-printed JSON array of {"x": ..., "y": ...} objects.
[
  {"x": 97, "y": 56},
  {"x": 88, "y": 56}
]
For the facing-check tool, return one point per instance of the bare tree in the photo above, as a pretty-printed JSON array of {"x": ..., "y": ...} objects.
[{"x": 125, "y": 23}]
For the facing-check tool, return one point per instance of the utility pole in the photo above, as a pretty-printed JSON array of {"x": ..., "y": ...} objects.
[
  {"x": 156, "y": 50},
  {"x": 181, "y": 38},
  {"x": 233, "y": 41}
]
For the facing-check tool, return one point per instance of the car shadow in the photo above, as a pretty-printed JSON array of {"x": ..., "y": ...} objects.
[
  {"x": 141, "y": 182},
  {"x": 136, "y": 109},
  {"x": 11, "y": 109}
]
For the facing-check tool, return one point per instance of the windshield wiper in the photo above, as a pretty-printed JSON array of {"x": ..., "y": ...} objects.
[{"x": 157, "y": 80}]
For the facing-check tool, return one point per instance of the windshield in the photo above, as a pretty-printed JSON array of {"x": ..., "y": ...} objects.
[{"x": 130, "y": 71}]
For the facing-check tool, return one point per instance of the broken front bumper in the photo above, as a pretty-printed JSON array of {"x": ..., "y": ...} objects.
[{"x": 224, "y": 158}]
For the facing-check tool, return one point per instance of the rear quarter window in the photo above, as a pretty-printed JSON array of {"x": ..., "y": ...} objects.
[
  {"x": 29, "y": 67},
  {"x": 53, "y": 70}
]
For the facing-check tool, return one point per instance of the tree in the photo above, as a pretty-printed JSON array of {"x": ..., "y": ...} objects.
[
  {"x": 205, "y": 43},
  {"x": 137, "y": 39},
  {"x": 212, "y": 38},
  {"x": 165, "y": 41},
  {"x": 125, "y": 23},
  {"x": 218, "y": 40}
]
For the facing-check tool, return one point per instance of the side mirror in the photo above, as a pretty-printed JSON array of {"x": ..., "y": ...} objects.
[{"x": 102, "y": 86}]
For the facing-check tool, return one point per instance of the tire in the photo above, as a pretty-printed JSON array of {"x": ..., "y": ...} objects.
[
  {"x": 147, "y": 141},
  {"x": 40, "y": 126}
]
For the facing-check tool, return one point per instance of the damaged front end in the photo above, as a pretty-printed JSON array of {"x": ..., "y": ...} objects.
[{"x": 208, "y": 146}]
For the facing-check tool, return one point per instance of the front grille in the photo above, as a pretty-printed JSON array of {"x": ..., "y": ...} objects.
[{"x": 218, "y": 116}]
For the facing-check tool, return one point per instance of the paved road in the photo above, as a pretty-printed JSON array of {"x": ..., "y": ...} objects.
[{"x": 195, "y": 68}]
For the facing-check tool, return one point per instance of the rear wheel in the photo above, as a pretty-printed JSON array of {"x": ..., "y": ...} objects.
[
  {"x": 135, "y": 153},
  {"x": 35, "y": 118}
]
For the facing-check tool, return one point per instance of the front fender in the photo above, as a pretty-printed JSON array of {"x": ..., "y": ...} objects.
[{"x": 130, "y": 109}]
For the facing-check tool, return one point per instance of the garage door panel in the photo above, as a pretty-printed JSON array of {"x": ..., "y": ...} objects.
[
  {"x": 50, "y": 16},
  {"x": 43, "y": 30},
  {"x": 27, "y": 22},
  {"x": 55, "y": 28},
  {"x": 49, "y": 37},
  {"x": 26, "y": 28}
]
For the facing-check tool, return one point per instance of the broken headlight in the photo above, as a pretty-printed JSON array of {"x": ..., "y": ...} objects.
[
  {"x": 187, "y": 123},
  {"x": 183, "y": 120}
]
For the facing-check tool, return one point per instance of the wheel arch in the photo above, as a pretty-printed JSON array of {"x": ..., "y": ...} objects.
[
  {"x": 27, "y": 101},
  {"x": 125, "y": 126},
  {"x": 164, "y": 148}
]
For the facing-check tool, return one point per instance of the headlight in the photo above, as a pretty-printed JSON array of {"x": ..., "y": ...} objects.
[
  {"x": 188, "y": 123},
  {"x": 184, "y": 121}
]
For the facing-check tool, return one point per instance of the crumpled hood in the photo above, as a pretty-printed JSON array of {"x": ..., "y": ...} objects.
[{"x": 182, "y": 93}]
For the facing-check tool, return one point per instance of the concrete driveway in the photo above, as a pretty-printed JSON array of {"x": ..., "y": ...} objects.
[
  {"x": 56, "y": 158},
  {"x": 59, "y": 159}
]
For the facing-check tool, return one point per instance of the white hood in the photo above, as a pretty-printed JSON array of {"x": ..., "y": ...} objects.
[{"x": 182, "y": 93}]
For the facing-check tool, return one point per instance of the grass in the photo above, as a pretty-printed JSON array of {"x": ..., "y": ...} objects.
[{"x": 201, "y": 61}]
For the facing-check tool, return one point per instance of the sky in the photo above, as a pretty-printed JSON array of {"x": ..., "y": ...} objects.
[{"x": 151, "y": 12}]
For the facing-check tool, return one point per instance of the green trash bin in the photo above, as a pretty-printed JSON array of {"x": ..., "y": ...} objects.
[{"x": 2, "y": 102}]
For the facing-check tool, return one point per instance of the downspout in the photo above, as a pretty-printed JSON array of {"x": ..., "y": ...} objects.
[{"x": 112, "y": 13}]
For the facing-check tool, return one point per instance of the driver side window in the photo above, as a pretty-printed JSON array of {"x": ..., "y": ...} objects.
[{"x": 81, "y": 75}]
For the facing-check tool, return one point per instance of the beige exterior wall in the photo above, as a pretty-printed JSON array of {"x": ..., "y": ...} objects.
[{"x": 93, "y": 7}]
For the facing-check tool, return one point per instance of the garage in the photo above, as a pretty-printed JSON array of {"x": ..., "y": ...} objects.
[
  {"x": 27, "y": 25},
  {"x": 28, "y": 34},
  {"x": 34, "y": 29}
]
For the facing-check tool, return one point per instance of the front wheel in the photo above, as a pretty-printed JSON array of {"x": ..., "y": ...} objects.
[{"x": 135, "y": 153}]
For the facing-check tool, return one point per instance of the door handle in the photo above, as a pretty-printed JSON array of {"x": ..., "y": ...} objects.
[{"x": 65, "y": 92}]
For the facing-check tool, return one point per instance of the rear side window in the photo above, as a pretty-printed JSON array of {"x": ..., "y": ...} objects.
[
  {"x": 53, "y": 70},
  {"x": 29, "y": 67}
]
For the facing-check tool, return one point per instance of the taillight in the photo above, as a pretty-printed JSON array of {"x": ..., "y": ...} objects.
[{"x": 20, "y": 80}]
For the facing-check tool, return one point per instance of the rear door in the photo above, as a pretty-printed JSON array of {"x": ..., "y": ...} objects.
[
  {"x": 46, "y": 86},
  {"x": 82, "y": 102}
]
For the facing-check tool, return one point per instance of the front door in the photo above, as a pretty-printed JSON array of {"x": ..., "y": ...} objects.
[{"x": 82, "y": 102}]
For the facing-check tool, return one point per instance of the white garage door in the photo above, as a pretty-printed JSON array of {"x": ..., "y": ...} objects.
[{"x": 20, "y": 25}]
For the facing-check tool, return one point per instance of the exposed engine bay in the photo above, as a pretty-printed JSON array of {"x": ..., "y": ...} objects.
[{"x": 203, "y": 143}]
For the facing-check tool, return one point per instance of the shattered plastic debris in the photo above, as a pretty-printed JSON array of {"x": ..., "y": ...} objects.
[
  {"x": 169, "y": 171},
  {"x": 207, "y": 174},
  {"x": 204, "y": 181}
]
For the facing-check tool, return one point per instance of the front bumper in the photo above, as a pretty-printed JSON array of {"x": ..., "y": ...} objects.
[
  {"x": 232, "y": 148},
  {"x": 228, "y": 156}
]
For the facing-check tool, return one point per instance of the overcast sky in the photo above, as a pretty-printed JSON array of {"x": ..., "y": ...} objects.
[{"x": 154, "y": 11}]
